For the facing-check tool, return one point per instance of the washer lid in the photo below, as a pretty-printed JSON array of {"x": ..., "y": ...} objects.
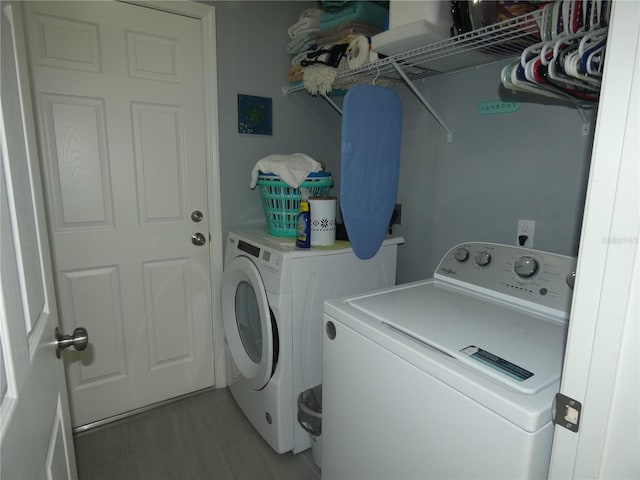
[{"x": 519, "y": 349}]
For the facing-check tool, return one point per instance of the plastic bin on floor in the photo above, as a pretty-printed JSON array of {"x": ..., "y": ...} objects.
[{"x": 310, "y": 418}]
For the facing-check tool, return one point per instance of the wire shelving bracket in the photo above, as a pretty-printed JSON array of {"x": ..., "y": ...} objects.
[{"x": 423, "y": 101}]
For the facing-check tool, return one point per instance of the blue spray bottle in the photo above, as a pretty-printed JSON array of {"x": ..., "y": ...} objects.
[{"x": 303, "y": 234}]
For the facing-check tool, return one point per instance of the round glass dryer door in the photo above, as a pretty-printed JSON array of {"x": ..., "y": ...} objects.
[{"x": 247, "y": 321}]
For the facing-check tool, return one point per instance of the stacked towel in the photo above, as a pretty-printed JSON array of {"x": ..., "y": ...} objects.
[
  {"x": 301, "y": 43},
  {"x": 298, "y": 57},
  {"x": 321, "y": 36},
  {"x": 295, "y": 74},
  {"x": 369, "y": 13},
  {"x": 311, "y": 13},
  {"x": 302, "y": 33},
  {"x": 305, "y": 24}
]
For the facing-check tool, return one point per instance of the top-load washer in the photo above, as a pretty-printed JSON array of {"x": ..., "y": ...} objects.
[
  {"x": 272, "y": 300},
  {"x": 452, "y": 376}
]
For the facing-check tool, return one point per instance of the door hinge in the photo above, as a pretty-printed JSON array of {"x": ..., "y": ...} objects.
[{"x": 566, "y": 412}]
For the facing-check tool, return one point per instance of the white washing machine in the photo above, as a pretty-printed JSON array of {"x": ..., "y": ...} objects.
[
  {"x": 272, "y": 300},
  {"x": 451, "y": 377}
]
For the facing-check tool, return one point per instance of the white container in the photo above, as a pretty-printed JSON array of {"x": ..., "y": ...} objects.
[
  {"x": 323, "y": 221},
  {"x": 407, "y": 37},
  {"x": 402, "y": 12}
]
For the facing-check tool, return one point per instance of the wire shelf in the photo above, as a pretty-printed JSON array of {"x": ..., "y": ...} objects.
[{"x": 489, "y": 44}]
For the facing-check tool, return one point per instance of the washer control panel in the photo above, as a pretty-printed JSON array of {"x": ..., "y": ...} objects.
[
  {"x": 265, "y": 257},
  {"x": 543, "y": 279},
  {"x": 267, "y": 260}
]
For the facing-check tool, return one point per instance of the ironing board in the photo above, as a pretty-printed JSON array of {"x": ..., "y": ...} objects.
[{"x": 369, "y": 164}]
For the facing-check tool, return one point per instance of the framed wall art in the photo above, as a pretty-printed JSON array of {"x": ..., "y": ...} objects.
[{"x": 254, "y": 115}]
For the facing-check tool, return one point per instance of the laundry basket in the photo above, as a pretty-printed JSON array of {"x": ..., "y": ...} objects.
[{"x": 281, "y": 202}]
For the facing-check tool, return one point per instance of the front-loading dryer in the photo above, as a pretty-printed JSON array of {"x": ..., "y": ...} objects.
[{"x": 272, "y": 299}]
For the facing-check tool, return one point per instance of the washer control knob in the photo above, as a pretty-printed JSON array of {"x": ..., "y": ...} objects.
[
  {"x": 461, "y": 254},
  {"x": 571, "y": 279},
  {"x": 483, "y": 258},
  {"x": 526, "y": 266}
]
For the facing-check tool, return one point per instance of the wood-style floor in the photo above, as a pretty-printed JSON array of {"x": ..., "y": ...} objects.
[{"x": 205, "y": 436}]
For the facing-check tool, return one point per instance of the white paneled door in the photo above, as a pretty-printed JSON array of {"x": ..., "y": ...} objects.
[
  {"x": 119, "y": 94},
  {"x": 35, "y": 429}
]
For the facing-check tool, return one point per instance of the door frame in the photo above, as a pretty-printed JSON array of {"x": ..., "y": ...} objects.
[
  {"x": 25, "y": 393},
  {"x": 207, "y": 16},
  {"x": 601, "y": 359}
]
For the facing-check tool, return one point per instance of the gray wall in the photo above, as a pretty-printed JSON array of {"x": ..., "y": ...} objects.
[
  {"x": 531, "y": 164},
  {"x": 251, "y": 41}
]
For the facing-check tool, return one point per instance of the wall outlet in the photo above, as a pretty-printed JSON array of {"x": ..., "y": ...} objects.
[{"x": 524, "y": 236}]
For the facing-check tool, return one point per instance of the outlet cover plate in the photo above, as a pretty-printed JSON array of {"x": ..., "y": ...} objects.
[{"x": 526, "y": 228}]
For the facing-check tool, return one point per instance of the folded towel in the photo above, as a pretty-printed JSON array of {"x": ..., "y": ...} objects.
[
  {"x": 311, "y": 13},
  {"x": 370, "y": 13},
  {"x": 302, "y": 25},
  {"x": 298, "y": 57},
  {"x": 291, "y": 168},
  {"x": 301, "y": 42},
  {"x": 294, "y": 74}
]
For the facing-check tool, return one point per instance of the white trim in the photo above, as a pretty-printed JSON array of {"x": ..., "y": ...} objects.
[
  {"x": 215, "y": 198},
  {"x": 179, "y": 7},
  {"x": 608, "y": 247},
  {"x": 207, "y": 16}
]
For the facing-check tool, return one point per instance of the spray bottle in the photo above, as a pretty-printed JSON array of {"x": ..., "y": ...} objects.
[{"x": 303, "y": 235}]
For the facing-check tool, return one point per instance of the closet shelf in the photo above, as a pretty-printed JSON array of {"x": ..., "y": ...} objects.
[{"x": 486, "y": 45}]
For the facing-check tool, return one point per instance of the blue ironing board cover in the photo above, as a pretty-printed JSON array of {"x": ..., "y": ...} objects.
[{"x": 369, "y": 164}]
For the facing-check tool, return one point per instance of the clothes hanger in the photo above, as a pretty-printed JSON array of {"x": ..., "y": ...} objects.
[
  {"x": 566, "y": 5},
  {"x": 558, "y": 77},
  {"x": 591, "y": 38},
  {"x": 520, "y": 83},
  {"x": 594, "y": 20},
  {"x": 533, "y": 51},
  {"x": 547, "y": 15},
  {"x": 535, "y": 72},
  {"x": 595, "y": 64},
  {"x": 587, "y": 56},
  {"x": 557, "y": 25},
  {"x": 567, "y": 63},
  {"x": 572, "y": 68},
  {"x": 375, "y": 79}
]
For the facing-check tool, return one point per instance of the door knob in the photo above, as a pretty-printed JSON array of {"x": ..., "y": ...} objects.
[
  {"x": 79, "y": 340},
  {"x": 198, "y": 239},
  {"x": 196, "y": 216}
]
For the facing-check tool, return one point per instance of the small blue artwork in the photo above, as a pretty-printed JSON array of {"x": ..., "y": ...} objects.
[{"x": 254, "y": 115}]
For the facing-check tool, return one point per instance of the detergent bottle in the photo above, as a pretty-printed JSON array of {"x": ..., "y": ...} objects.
[{"x": 303, "y": 234}]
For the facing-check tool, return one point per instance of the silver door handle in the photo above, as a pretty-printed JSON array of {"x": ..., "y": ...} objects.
[
  {"x": 79, "y": 340},
  {"x": 198, "y": 239},
  {"x": 196, "y": 216}
]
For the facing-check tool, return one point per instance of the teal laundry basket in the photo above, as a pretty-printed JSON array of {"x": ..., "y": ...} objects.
[{"x": 281, "y": 202}]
